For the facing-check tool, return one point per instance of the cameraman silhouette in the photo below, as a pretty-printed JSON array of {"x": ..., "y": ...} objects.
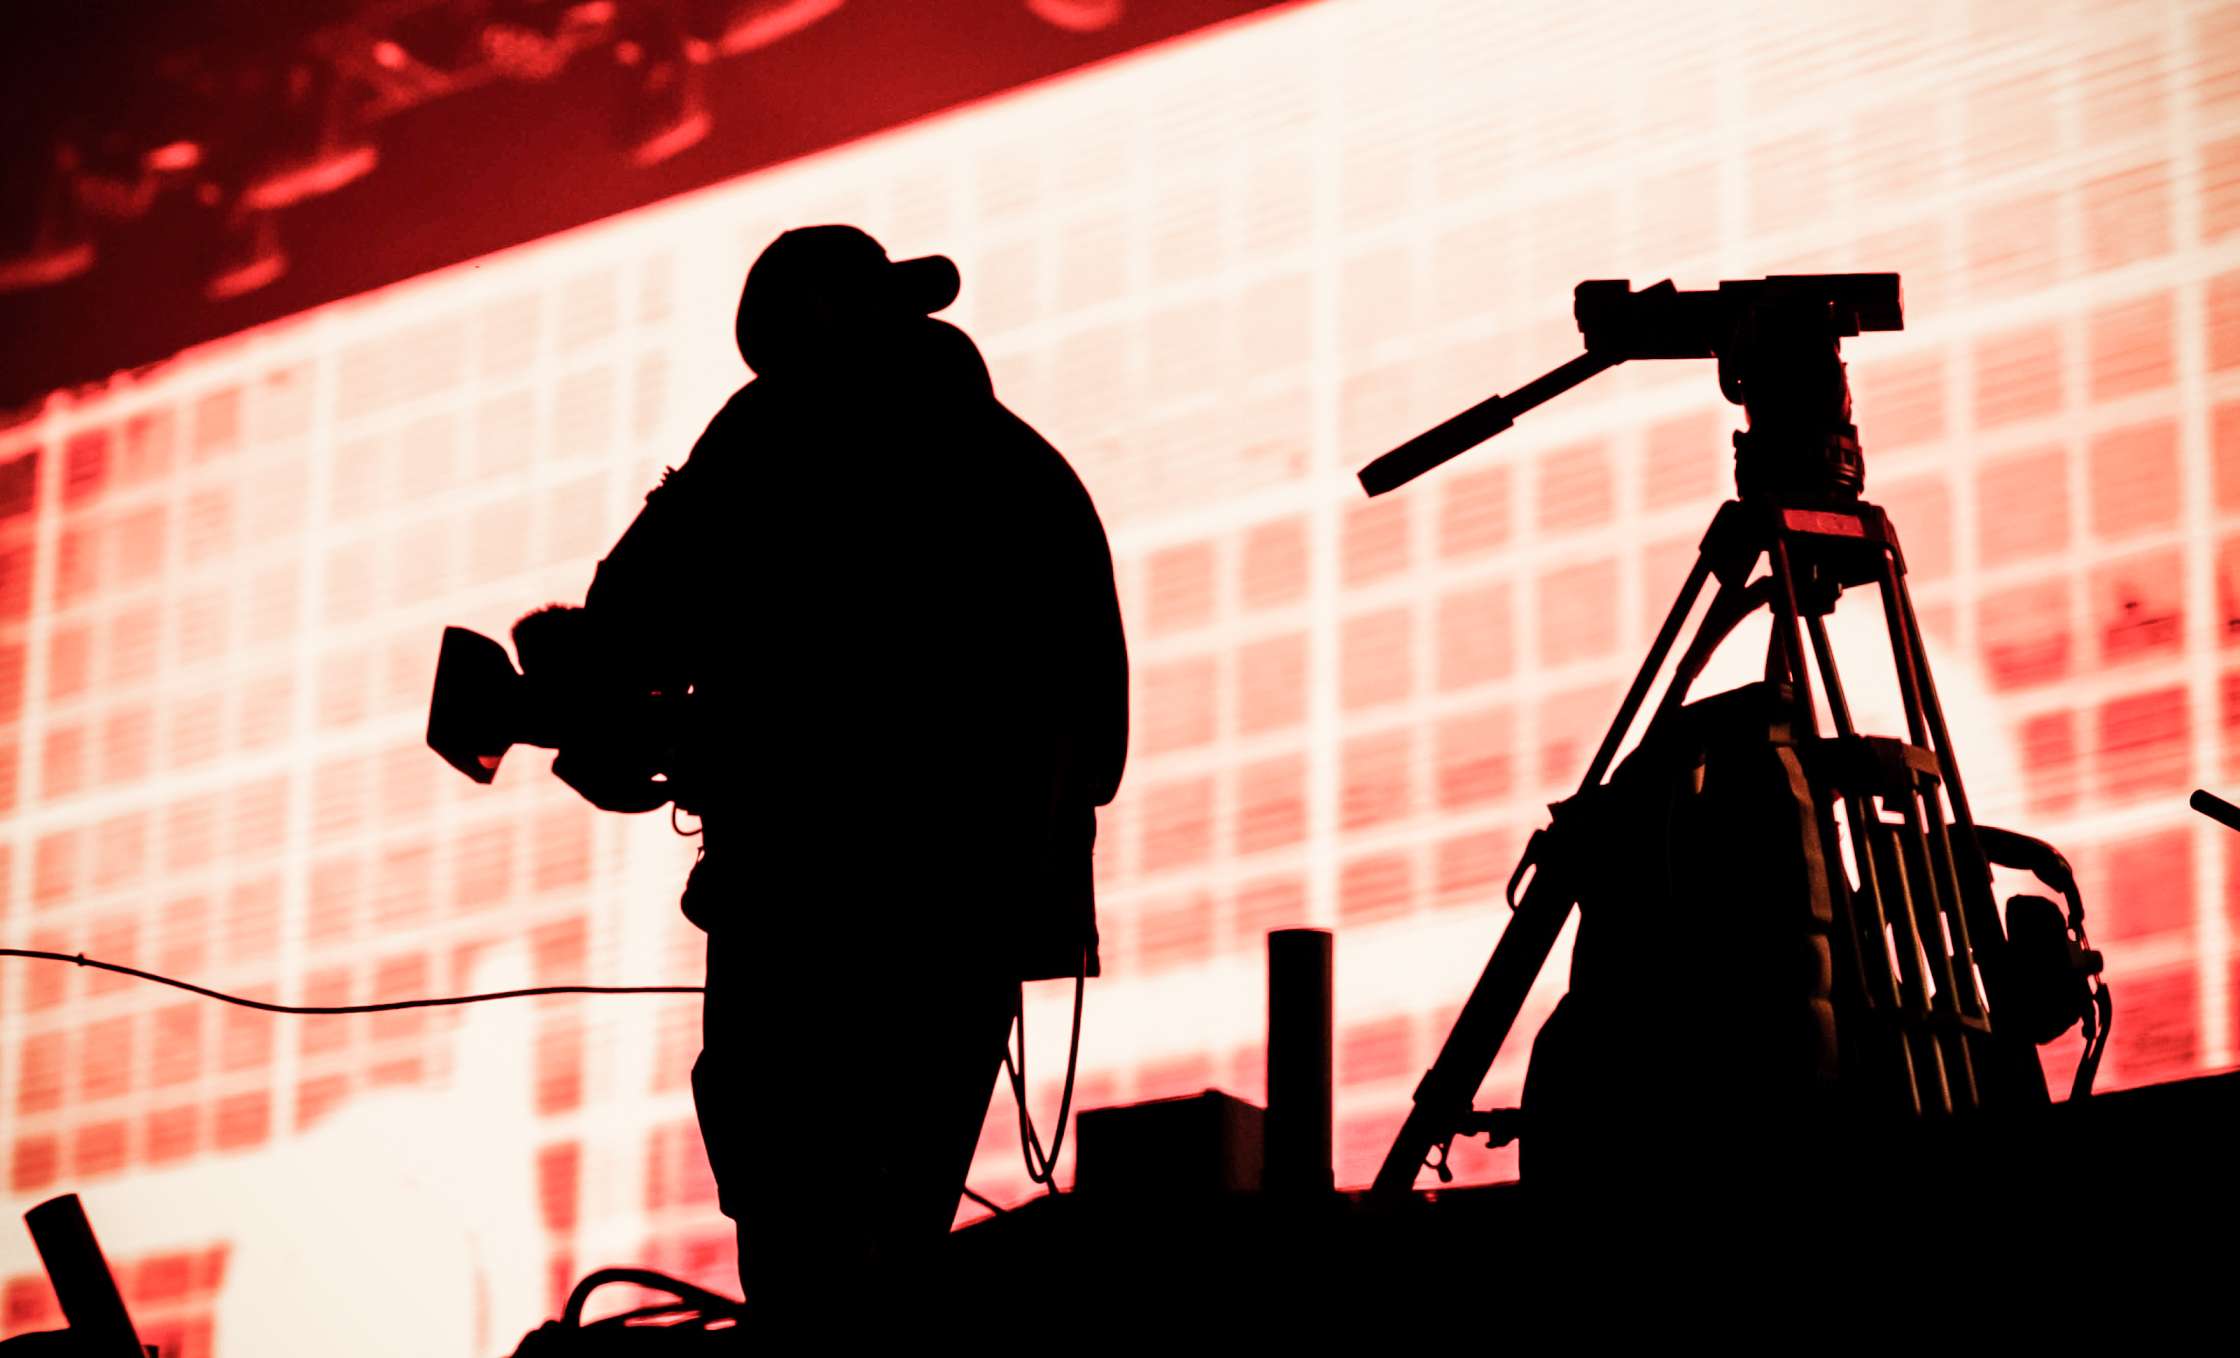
[{"x": 892, "y": 604}]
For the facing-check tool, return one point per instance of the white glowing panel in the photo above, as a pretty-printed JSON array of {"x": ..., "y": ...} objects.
[{"x": 1220, "y": 275}]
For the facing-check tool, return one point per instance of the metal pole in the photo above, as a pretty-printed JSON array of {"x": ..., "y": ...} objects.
[
  {"x": 1300, "y": 1000},
  {"x": 100, "y": 1327}
]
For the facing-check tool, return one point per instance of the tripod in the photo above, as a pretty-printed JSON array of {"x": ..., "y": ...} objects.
[{"x": 1918, "y": 963}]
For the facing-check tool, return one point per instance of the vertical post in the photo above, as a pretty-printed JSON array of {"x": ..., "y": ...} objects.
[
  {"x": 100, "y": 1327},
  {"x": 1299, "y": 1018}
]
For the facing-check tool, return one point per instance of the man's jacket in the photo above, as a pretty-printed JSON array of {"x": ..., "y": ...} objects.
[{"x": 893, "y": 603}]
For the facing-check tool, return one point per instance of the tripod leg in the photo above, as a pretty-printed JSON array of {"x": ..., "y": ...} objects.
[
  {"x": 1882, "y": 868},
  {"x": 1931, "y": 1078},
  {"x": 1975, "y": 1022},
  {"x": 1839, "y": 707},
  {"x": 1865, "y": 935},
  {"x": 1937, "y": 904},
  {"x": 1787, "y": 629},
  {"x": 1728, "y": 608},
  {"x": 1897, "y": 607},
  {"x": 1924, "y": 695},
  {"x": 1444, "y": 1095},
  {"x": 2015, "y": 1069},
  {"x": 1647, "y": 675}
]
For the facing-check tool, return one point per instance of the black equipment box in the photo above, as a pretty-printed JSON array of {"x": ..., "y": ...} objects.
[{"x": 1198, "y": 1146}]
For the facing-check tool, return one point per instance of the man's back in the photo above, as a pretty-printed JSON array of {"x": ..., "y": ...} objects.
[{"x": 898, "y": 616}]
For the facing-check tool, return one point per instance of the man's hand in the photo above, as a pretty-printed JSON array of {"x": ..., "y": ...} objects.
[{"x": 611, "y": 780}]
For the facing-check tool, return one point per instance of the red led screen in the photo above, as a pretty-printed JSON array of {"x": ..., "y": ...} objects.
[{"x": 1220, "y": 275}]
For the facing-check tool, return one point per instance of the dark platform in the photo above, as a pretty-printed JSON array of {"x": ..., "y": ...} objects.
[{"x": 2069, "y": 1211}]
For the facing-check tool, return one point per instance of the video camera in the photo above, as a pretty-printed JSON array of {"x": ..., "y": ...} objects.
[
  {"x": 1662, "y": 321},
  {"x": 1776, "y": 342},
  {"x": 619, "y": 745}
]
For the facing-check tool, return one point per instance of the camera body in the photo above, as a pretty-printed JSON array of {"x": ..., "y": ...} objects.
[
  {"x": 1777, "y": 341},
  {"x": 1661, "y": 321},
  {"x": 620, "y": 744}
]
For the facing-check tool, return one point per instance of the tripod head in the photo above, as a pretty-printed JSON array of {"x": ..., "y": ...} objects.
[{"x": 1777, "y": 343}]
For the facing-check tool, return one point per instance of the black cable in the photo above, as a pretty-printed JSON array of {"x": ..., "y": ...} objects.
[
  {"x": 1065, "y": 1098},
  {"x": 433, "y": 1002},
  {"x": 1042, "y": 1165},
  {"x": 710, "y": 1304},
  {"x": 990, "y": 1203},
  {"x": 1030, "y": 1145},
  {"x": 2096, "y": 1042}
]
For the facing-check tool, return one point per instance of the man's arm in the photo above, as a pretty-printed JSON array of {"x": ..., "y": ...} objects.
[
  {"x": 637, "y": 596},
  {"x": 640, "y": 636},
  {"x": 644, "y": 595},
  {"x": 1105, "y": 667}
]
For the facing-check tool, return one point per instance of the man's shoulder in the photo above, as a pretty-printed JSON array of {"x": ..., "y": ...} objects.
[
  {"x": 742, "y": 406},
  {"x": 718, "y": 447},
  {"x": 1034, "y": 453}
]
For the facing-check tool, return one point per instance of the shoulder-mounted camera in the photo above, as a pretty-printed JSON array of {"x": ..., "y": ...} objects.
[{"x": 619, "y": 742}]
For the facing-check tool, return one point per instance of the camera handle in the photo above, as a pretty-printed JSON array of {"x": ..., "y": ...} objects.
[
  {"x": 1775, "y": 340},
  {"x": 1451, "y": 438}
]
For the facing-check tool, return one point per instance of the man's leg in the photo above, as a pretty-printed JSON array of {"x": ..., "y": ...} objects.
[
  {"x": 841, "y": 1114},
  {"x": 944, "y": 1070},
  {"x": 778, "y": 1089}
]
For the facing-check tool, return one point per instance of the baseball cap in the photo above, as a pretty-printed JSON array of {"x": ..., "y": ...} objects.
[{"x": 835, "y": 264}]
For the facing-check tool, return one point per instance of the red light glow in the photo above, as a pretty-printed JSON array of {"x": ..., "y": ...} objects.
[{"x": 1220, "y": 274}]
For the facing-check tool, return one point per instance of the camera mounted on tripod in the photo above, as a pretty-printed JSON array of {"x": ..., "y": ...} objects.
[
  {"x": 1776, "y": 340},
  {"x": 1813, "y": 903}
]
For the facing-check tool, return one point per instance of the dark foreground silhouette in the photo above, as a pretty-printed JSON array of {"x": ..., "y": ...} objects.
[{"x": 893, "y": 604}]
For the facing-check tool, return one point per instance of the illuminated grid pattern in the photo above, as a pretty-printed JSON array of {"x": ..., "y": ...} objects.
[{"x": 1220, "y": 276}]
